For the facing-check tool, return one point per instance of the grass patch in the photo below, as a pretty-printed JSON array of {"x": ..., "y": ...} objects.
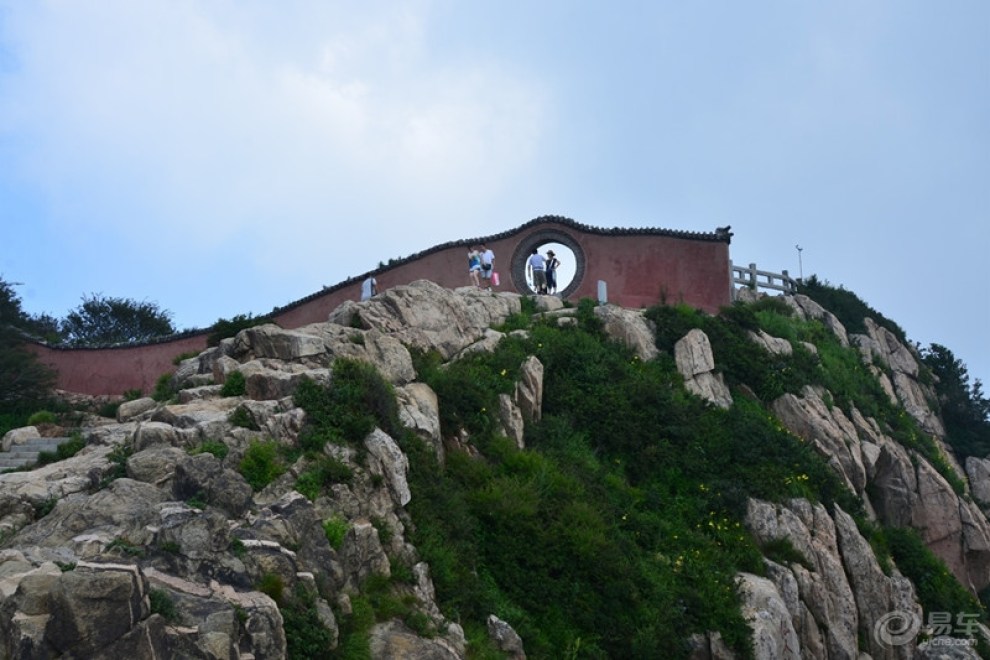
[
  {"x": 234, "y": 385},
  {"x": 215, "y": 447}
]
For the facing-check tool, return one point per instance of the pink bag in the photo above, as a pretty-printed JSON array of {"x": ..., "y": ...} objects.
[{"x": 495, "y": 278}]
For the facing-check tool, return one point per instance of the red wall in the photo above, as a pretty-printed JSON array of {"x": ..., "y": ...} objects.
[{"x": 640, "y": 267}]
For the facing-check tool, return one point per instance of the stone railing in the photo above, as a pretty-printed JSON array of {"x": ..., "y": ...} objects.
[{"x": 756, "y": 279}]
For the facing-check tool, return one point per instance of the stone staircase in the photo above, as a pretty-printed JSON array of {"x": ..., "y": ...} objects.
[{"x": 26, "y": 453}]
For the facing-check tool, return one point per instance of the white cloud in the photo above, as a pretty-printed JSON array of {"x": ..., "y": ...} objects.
[{"x": 226, "y": 120}]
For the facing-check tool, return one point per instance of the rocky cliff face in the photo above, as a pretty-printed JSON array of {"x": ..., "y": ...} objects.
[{"x": 136, "y": 547}]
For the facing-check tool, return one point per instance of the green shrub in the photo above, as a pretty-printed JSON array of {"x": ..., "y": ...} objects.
[
  {"x": 849, "y": 308},
  {"x": 164, "y": 391},
  {"x": 242, "y": 418},
  {"x": 216, "y": 447},
  {"x": 305, "y": 635},
  {"x": 324, "y": 472},
  {"x": 225, "y": 328},
  {"x": 260, "y": 465},
  {"x": 161, "y": 603},
  {"x": 234, "y": 385},
  {"x": 272, "y": 585},
  {"x": 126, "y": 547},
  {"x": 133, "y": 394},
  {"x": 65, "y": 450},
  {"x": 335, "y": 529},
  {"x": 171, "y": 547},
  {"x": 938, "y": 590},
  {"x": 357, "y": 400},
  {"x": 178, "y": 359},
  {"x": 42, "y": 417},
  {"x": 783, "y": 552},
  {"x": 44, "y": 508},
  {"x": 198, "y": 501},
  {"x": 118, "y": 459},
  {"x": 109, "y": 409}
]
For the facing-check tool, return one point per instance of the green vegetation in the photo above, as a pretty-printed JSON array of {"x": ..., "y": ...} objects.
[
  {"x": 849, "y": 308},
  {"x": 346, "y": 411},
  {"x": 164, "y": 391},
  {"x": 225, "y": 328},
  {"x": 125, "y": 546},
  {"x": 25, "y": 383},
  {"x": 618, "y": 531},
  {"x": 335, "y": 529},
  {"x": 42, "y": 417},
  {"x": 261, "y": 465},
  {"x": 234, "y": 385},
  {"x": 216, "y": 447},
  {"x": 118, "y": 458},
  {"x": 65, "y": 450},
  {"x": 965, "y": 411},
  {"x": 272, "y": 585},
  {"x": 305, "y": 635},
  {"x": 242, "y": 418},
  {"x": 104, "y": 320},
  {"x": 323, "y": 472},
  {"x": 161, "y": 603}
]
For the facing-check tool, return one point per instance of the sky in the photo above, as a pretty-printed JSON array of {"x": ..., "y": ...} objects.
[{"x": 221, "y": 158}]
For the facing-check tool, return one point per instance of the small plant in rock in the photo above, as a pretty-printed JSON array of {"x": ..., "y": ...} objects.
[
  {"x": 324, "y": 472},
  {"x": 242, "y": 418},
  {"x": 181, "y": 357},
  {"x": 170, "y": 547},
  {"x": 215, "y": 447},
  {"x": 260, "y": 465},
  {"x": 197, "y": 501},
  {"x": 125, "y": 546},
  {"x": 133, "y": 394},
  {"x": 272, "y": 585},
  {"x": 335, "y": 529},
  {"x": 162, "y": 604},
  {"x": 234, "y": 385},
  {"x": 109, "y": 409},
  {"x": 237, "y": 547},
  {"x": 118, "y": 459},
  {"x": 44, "y": 508},
  {"x": 164, "y": 391}
]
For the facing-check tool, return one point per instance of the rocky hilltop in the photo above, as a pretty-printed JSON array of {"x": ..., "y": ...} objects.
[{"x": 234, "y": 521}]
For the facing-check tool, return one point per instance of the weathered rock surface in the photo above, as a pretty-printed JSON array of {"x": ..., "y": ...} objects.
[
  {"x": 695, "y": 362},
  {"x": 833, "y": 598},
  {"x": 631, "y": 328},
  {"x": 86, "y": 546}
]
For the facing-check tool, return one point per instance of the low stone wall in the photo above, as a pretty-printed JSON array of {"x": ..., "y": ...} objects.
[{"x": 641, "y": 267}]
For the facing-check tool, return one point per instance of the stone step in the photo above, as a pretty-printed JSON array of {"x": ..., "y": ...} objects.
[{"x": 27, "y": 452}]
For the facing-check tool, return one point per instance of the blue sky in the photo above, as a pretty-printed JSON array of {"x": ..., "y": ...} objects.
[{"x": 224, "y": 157}]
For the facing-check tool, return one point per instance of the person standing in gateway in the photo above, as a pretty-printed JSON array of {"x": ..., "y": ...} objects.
[
  {"x": 487, "y": 265},
  {"x": 552, "y": 263},
  {"x": 537, "y": 266}
]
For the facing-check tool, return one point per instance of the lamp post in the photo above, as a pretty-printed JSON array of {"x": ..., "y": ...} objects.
[{"x": 800, "y": 265}]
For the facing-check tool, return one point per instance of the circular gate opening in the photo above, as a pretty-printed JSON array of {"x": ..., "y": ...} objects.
[
  {"x": 563, "y": 274},
  {"x": 566, "y": 250}
]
